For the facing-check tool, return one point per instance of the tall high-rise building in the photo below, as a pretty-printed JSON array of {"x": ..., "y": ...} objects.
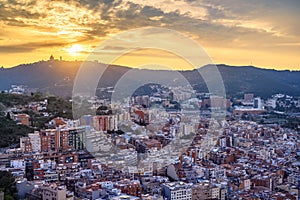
[
  {"x": 104, "y": 122},
  {"x": 257, "y": 103},
  {"x": 76, "y": 138},
  {"x": 29, "y": 172},
  {"x": 63, "y": 139},
  {"x": 48, "y": 140},
  {"x": 35, "y": 141},
  {"x": 25, "y": 144}
]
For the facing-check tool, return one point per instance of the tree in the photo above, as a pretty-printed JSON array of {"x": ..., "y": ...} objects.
[
  {"x": 8, "y": 116},
  {"x": 8, "y": 197},
  {"x": 8, "y": 185}
]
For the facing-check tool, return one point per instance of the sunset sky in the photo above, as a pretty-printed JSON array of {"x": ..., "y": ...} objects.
[{"x": 264, "y": 33}]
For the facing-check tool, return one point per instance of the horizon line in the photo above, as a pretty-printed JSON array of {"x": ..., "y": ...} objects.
[{"x": 218, "y": 64}]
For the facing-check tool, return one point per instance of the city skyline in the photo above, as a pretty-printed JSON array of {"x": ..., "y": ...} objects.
[{"x": 232, "y": 32}]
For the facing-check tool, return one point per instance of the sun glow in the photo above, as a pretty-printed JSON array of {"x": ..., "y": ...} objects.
[{"x": 75, "y": 50}]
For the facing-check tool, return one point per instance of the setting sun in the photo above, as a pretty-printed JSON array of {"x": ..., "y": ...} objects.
[{"x": 75, "y": 49}]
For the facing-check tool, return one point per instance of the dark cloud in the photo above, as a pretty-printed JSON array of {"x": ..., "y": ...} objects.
[
  {"x": 30, "y": 46},
  {"x": 10, "y": 11}
]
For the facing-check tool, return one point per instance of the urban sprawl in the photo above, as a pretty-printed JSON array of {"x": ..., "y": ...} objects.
[{"x": 148, "y": 148}]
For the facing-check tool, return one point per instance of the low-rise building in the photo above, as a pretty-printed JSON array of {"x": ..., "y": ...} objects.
[{"x": 177, "y": 190}]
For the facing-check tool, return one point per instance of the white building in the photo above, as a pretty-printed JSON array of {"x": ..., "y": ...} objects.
[
  {"x": 177, "y": 190},
  {"x": 35, "y": 141},
  {"x": 271, "y": 103},
  {"x": 215, "y": 193},
  {"x": 107, "y": 185},
  {"x": 187, "y": 129},
  {"x": 17, "y": 164}
]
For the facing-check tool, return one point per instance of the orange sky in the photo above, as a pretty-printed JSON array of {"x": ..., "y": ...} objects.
[{"x": 235, "y": 32}]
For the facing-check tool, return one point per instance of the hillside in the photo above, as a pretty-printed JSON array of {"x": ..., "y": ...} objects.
[{"x": 57, "y": 77}]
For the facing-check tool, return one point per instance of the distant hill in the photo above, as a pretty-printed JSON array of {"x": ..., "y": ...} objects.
[
  {"x": 57, "y": 77},
  {"x": 261, "y": 82}
]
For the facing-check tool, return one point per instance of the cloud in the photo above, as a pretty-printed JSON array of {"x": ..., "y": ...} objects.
[
  {"x": 235, "y": 24},
  {"x": 210, "y": 20},
  {"x": 117, "y": 48},
  {"x": 30, "y": 46},
  {"x": 181, "y": 7}
]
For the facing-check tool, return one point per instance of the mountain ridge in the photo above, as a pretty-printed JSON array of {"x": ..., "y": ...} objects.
[{"x": 57, "y": 77}]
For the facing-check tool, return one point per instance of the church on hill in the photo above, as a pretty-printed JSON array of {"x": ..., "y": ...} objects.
[{"x": 52, "y": 58}]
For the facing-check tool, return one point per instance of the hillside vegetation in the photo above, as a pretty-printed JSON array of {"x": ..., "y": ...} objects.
[{"x": 57, "y": 77}]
